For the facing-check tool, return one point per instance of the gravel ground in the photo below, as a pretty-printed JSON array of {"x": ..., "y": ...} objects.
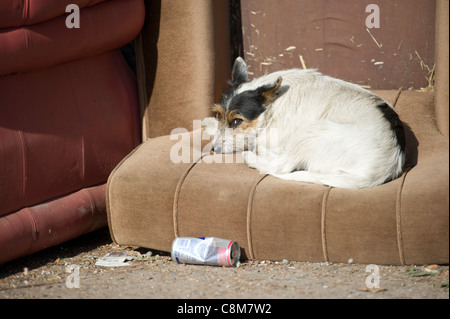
[{"x": 56, "y": 273}]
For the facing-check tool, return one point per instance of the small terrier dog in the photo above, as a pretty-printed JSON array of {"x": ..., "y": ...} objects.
[{"x": 303, "y": 126}]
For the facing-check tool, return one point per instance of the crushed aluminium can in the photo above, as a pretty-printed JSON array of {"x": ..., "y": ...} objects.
[{"x": 206, "y": 251}]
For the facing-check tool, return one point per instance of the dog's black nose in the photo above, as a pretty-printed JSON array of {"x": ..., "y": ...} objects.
[{"x": 216, "y": 149}]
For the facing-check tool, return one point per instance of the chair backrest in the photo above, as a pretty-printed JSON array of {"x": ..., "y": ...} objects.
[
  {"x": 386, "y": 45},
  {"x": 183, "y": 62},
  {"x": 183, "y": 54},
  {"x": 442, "y": 57}
]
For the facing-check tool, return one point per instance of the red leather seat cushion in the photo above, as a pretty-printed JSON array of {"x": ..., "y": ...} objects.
[
  {"x": 64, "y": 128},
  {"x": 34, "y": 228},
  {"x": 25, "y": 12},
  {"x": 103, "y": 27},
  {"x": 68, "y": 114}
]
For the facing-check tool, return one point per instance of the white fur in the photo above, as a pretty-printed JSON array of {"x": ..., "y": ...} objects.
[{"x": 330, "y": 132}]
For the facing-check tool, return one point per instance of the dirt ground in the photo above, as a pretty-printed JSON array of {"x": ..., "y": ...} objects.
[{"x": 69, "y": 271}]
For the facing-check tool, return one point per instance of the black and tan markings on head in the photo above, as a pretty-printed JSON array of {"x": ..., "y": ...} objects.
[{"x": 241, "y": 110}]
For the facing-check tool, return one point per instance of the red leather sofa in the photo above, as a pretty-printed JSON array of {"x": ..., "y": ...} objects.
[{"x": 68, "y": 114}]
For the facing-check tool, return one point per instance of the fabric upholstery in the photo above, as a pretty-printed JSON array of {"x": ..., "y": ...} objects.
[
  {"x": 50, "y": 223},
  {"x": 183, "y": 62},
  {"x": 55, "y": 141},
  {"x": 442, "y": 67},
  {"x": 68, "y": 114},
  {"x": 334, "y": 37},
  {"x": 27, "y": 12},
  {"x": 48, "y": 43},
  {"x": 152, "y": 199}
]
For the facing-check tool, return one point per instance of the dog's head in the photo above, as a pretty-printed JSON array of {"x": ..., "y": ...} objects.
[{"x": 235, "y": 119}]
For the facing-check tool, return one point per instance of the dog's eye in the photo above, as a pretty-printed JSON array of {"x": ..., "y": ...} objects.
[{"x": 235, "y": 122}]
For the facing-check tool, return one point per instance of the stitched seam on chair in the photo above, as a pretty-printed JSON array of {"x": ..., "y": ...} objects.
[
  {"x": 398, "y": 203},
  {"x": 25, "y": 12},
  {"x": 251, "y": 253},
  {"x": 398, "y": 219},
  {"x": 27, "y": 35},
  {"x": 177, "y": 196},
  {"x": 81, "y": 123},
  {"x": 323, "y": 223},
  {"x": 83, "y": 158},
  {"x": 34, "y": 227},
  {"x": 24, "y": 163},
  {"x": 91, "y": 201}
]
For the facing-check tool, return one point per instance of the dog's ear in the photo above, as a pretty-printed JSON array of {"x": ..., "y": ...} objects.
[
  {"x": 239, "y": 74},
  {"x": 270, "y": 91}
]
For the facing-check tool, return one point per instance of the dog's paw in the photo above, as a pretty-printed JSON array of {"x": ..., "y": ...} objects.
[
  {"x": 250, "y": 158},
  {"x": 210, "y": 125}
]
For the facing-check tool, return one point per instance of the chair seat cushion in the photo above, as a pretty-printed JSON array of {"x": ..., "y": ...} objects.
[
  {"x": 47, "y": 224},
  {"x": 151, "y": 200}
]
